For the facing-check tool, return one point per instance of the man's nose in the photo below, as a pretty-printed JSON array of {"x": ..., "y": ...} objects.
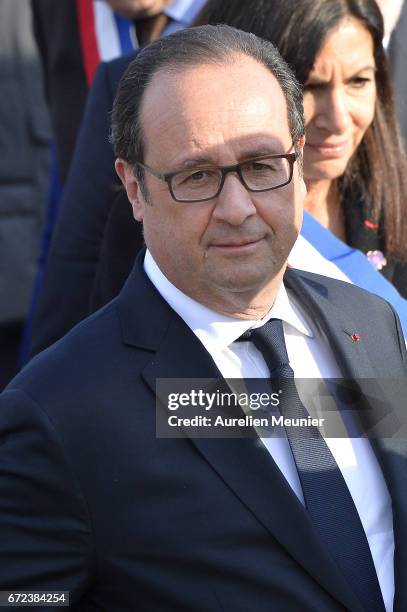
[
  {"x": 333, "y": 113},
  {"x": 234, "y": 203}
]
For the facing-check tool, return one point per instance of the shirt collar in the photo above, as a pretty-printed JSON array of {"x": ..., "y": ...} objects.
[
  {"x": 184, "y": 11},
  {"x": 215, "y": 330}
]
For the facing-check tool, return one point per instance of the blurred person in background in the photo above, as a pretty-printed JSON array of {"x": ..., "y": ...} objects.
[
  {"x": 25, "y": 134},
  {"x": 71, "y": 30},
  {"x": 75, "y": 35}
]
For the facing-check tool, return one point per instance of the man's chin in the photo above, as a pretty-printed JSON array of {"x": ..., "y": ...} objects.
[{"x": 246, "y": 280}]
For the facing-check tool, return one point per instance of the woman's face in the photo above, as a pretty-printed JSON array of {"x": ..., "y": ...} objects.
[{"x": 339, "y": 100}]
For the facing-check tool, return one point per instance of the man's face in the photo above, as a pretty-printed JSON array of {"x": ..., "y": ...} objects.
[{"x": 230, "y": 249}]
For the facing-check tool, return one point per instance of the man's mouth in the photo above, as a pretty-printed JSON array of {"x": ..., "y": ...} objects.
[{"x": 237, "y": 245}]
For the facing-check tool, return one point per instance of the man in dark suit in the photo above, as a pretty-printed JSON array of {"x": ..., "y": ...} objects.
[{"x": 93, "y": 502}]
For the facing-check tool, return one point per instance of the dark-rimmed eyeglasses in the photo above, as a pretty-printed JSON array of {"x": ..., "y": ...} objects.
[{"x": 203, "y": 183}]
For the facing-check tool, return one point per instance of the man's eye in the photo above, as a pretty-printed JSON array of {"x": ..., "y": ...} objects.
[
  {"x": 201, "y": 176},
  {"x": 260, "y": 167},
  {"x": 257, "y": 166},
  {"x": 197, "y": 176}
]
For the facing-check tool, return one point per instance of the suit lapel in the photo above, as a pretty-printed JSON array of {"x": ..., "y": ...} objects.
[
  {"x": 379, "y": 410},
  {"x": 351, "y": 356},
  {"x": 385, "y": 402}
]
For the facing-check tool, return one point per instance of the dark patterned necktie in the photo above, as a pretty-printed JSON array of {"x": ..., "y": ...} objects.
[{"x": 327, "y": 497}]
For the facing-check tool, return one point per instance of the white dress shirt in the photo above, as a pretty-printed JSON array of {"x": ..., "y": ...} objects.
[{"x": 310, "y": 357}]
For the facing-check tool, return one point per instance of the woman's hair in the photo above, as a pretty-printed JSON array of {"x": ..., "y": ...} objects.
[{"x": 377, "y": 172}]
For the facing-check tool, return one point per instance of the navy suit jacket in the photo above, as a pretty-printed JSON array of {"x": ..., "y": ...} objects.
[{"x": 91, "y": 501}]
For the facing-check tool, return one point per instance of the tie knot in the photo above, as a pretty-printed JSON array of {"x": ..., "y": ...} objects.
[{"x": 269, "y": 340}]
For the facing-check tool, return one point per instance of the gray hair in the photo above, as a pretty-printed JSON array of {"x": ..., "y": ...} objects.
[{"x": 193, "y": 46}]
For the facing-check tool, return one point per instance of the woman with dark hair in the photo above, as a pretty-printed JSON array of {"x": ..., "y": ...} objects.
[{"x": 354, "y": 164}]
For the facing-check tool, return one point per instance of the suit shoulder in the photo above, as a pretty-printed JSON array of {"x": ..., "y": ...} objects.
[
  {"x": 335, "y": 288},
  {"x": 77, "y": 361},
  {"x": 359, "y": 305}
]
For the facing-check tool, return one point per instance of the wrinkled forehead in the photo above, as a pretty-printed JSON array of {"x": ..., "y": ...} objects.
[{"x": 222, "y": 104}]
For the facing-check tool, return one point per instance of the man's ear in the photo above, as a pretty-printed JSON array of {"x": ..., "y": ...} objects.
[
  {"x": 132, "y": 187},
  {"x": 299, "y": 149},
  {"x": 301, "y": 144}
]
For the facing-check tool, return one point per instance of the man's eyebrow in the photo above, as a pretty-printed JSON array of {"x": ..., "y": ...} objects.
[
  {"x": 197, "y": 161},
  {"x": 193, "y": 162},
  {"x": 260, "y": 152},
  {"x": 243, "y": 156}
]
